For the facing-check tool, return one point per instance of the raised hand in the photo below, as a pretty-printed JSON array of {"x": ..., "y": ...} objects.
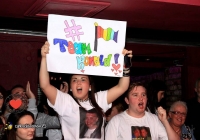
[
  {"x": 45, "y": 49},
  {"x": 64, "y": 87},
  {"x": 29, "y": 93},
  {"x": 162, "y": 115}
]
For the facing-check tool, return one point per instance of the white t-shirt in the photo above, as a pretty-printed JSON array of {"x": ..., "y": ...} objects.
[
  {"x": 121, "y": 127},
  {"x": 72, "y": 117}
]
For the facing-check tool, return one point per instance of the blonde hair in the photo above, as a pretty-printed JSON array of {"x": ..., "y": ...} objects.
[{"x": 178, "y": 103}]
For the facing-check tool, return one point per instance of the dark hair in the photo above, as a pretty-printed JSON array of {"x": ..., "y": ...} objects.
[
  {"x": 16, "y": 86},
  {"x": 14, "y": 120},
  {"x": 132, "y": 86},
  {"x": 152, "y": 89},
  {"x": 108, "y": 112},
  {"x": 119, "y": 107},
  {"x": 91, "y": 95},
  {"x": 4, "y": 93},
  {"x": 43, "y": 102}
]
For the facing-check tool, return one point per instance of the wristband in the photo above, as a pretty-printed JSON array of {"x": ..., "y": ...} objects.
[
  {"x": 127, "y": 65},
  {"x": 126, "y": 72}
]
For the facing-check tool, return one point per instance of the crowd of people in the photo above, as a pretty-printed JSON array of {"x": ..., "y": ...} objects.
[{"x": 76, "y": 111}]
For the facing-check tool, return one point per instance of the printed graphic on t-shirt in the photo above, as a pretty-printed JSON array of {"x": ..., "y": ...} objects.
[
  {"x": 90, "y": 123},
  {"x": 140, "y": 133}
]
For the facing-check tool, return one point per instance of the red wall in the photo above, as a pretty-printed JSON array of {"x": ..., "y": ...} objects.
[{"x": 19, "y": 60}]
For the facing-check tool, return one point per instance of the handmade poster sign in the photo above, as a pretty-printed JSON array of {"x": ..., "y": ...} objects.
[{"x": 85, "y": 45}]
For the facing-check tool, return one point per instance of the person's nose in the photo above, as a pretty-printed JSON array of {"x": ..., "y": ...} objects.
[
  {"x": 141, "y": 97},
  {"x": 32, "y": 129},
  {"x": 78, "y": 81}
]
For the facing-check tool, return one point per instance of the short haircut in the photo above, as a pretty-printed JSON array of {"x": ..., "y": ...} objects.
[
  {"x": 132, "y": 86},
  {"x": 16, "y": 86},
  {"x": 178, "y": 103}
]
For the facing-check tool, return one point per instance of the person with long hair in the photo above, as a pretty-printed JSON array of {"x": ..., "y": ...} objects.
[
  {"x": 17, "y": 130},
  {"x": 82, "y": 96},
  {"x": 3, "y": 94},
  {"x": 156, "y": 91}
]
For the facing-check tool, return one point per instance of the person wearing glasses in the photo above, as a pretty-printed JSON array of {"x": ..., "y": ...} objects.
[{"x": 177, "y": 116}]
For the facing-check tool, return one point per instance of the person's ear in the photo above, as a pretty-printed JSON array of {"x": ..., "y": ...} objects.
[{"x": 126, "y": 100}]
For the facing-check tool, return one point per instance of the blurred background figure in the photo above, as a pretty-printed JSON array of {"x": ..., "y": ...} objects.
[
  {"x": 155, "y": 92},
  {"x": 3, "y": 94},
  {"x": 177, "y": 116},
  {"x": 114, "y": 110},
  {"x": 19, "y": 92},
  {"x": 193, "y": 116},
  {"x": 48, "y": 117}
]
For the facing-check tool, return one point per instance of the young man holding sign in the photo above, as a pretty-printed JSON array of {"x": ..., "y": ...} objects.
[{"x": 72, "y": 109}]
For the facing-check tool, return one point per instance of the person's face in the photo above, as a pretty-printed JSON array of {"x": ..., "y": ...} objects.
[
  {"x": 113, "y": 113},
  {"x": 197, "y": 89},
  {"x": 1, "y": 100},
  {"x": 160, "y": 95},
  {"x": 91, "y": 120},
  {"x": 136, "y": 133},
  {"x": 25, "y": 133},
  {"x": 17, "y": 94},
  {"x": 18, "y": 90},
  {"x": 80, "y": 86},
  {"x": 178, "y": 116},
  {"x": 143, "y": 133},
  {"x": 137, "y": 100}
]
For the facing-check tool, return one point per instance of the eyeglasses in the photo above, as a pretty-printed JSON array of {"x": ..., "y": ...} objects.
[{"x": 179, "y": 113}]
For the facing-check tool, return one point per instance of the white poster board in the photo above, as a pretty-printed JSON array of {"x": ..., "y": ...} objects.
[{"x": 80, "y": 45}]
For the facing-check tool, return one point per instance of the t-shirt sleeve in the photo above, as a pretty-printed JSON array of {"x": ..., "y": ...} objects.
[
  {"x": 162, "y": 134},
  {"x": 111, "y": 130},
  {"x": 101, "y": 98},
  {"x": 63, "y": 104}
]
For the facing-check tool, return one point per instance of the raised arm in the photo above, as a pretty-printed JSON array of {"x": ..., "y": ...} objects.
[
  {"x": 123, "y": 84},
  {"x": 172, "y": 135},
  {"x": 49, "y": 90}
]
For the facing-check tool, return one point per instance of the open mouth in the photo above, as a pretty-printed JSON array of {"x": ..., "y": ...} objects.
[
  {"x": 79, "y": 89},
  {"x": 141, "y": 105}
]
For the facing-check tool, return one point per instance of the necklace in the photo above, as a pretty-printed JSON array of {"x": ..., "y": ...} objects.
[{"x": 83, "y": 100}]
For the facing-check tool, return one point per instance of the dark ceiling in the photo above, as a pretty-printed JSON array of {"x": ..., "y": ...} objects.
[{"x": 174, "y": 20}]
